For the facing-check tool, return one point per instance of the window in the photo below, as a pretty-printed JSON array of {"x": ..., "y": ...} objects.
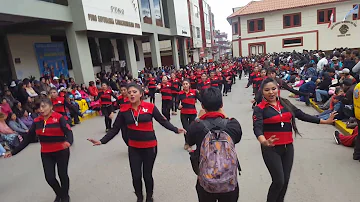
[
  {"x": 235, "y": 28},
  {"x": 256, "y": 25},
  {"x": 356, "y": 16},
  {"x": 292, "y": 42},
  {"x": 323, "y": 16},
  {"x": 198, "y": 32},
  {"x": 208, "y": 35},
  {"x": 106, "y": 49},
  {"x": 292, "y": 20},
  {"x": 196, "y": 11},
  {"x": 206, "y": 18}
]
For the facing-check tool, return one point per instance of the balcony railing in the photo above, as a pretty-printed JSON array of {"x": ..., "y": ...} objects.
[{"x": 61, "y": 2}]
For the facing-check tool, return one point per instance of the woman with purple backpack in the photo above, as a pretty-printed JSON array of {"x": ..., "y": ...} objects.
[{"x": 215, "y": 137}]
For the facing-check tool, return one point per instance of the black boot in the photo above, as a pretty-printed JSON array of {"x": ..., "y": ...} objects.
[
  {"x": 140, "y": 197},
  {"x": 57, "y": 199},
  {"x": 65, "y": 199},
  {"x": 149, "y": 197}
]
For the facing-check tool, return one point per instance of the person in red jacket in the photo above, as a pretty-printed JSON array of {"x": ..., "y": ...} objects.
[
  {"x": 93, "y": 91},
  {"x": 165, "y": 89},
  {"x": 138, "y": 118},
  {"x": 273, "y": 125},
  {"x": 107, "y": 108},
  {"x": 188, "y": 113},
  {"x": 55, "y": 138},
  {"x": 175, "y": 89},
  {"x": 151, "y": 85}
]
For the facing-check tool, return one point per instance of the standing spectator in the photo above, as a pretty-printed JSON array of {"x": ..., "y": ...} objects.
[{"x": 93, "y": 90}]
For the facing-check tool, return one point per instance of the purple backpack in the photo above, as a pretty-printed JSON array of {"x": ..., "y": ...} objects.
[{"x": 218, "y": 160}]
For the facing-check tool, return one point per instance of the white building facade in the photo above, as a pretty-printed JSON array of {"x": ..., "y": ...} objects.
[{"x": 260, "y": 28}]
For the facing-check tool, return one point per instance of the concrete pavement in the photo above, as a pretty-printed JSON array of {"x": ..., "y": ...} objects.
[{"x": 322, "y": 172}]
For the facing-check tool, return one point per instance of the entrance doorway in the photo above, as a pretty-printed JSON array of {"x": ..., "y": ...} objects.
[
  {"x": 257, "y": 48},
  {"x": 5, "y": 69}
]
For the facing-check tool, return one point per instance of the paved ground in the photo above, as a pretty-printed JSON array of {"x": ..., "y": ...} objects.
[{"x": 323, "y": 171}]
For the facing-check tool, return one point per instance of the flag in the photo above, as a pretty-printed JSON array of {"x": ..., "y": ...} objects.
[
  {"x": 355, "y": 10},
  {"x": 331, "y": 18}
]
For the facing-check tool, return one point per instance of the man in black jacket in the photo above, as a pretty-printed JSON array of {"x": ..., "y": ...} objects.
[{"x": 212, "y": 104}]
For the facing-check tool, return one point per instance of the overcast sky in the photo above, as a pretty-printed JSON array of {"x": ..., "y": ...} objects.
[{"x": 222, "y": 9}]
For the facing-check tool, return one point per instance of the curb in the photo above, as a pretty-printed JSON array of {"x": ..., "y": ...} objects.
[{"x": 341, "y": 126}]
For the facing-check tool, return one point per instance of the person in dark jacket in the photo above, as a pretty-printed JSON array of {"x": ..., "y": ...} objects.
[
  {"x": 348, "y": 88},
  {"x": 273, "y": 125},
  {"x": 323, "y": 88},
  {"x": 136, "y": 120},
  {"x": 212, "y": 104},
  {"x": 308, "y": 87}
]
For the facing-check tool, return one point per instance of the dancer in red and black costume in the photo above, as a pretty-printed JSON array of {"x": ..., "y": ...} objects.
[
  {"x": 252, "y": 79},
  {"x": 175, "y": 89},
  {"x": 193, "y": 80},
  {"x": 123, "y": 98},
  {"x": 166, "y": 96},
  {"x": 55, "y": 136},
  {"x": 215, "y": 80},
  {"x": 221, "y": 79},
  {"x": 205, "y": 83},
  {"x": 227, "y": 80},
  {"x": 107, "y": 109},
  {"x": 151, "y": 84},
  {"x": 274, "y": 122},
  {"x": 60, "y": 104},
  {"x": 138, "y": 119},
  {"x": 187, "y": 98}
]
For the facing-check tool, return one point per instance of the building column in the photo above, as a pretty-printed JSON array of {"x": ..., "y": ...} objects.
[
  {"x": 183, "y": 51},
  {"x": 155, "y": 50},
  {"x": 141, "y": 55},
  {"x": 175, "y": 53},
  {"x": 130, "y": 56},
  {"x": 80, "y": 55},
  {"x": 116, "y": 52}
]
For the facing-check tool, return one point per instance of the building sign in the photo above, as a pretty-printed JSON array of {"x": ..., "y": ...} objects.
[
  {"x": 112, "y": 16},
  {"x": 146, "y": 11},
  {"x": 51, "y": 59},
  {"x": 157, "y": 11},
  {"x": 343, "y": 27}
]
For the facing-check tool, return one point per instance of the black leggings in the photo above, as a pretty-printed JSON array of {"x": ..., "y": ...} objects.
[
  {"x": 240, "y": 74},
  {"x": 152, "y": 94},
  {"x": 141, "y": 165},
  {"x": 61, "y": 159},
  {"x": 174, "y": 105},
  {"x": 186, "y": 120},
  {"x": 165, "y": 108},
  {"x": 226, "y": 88},
  {"x": 279, "y": 161},
  {"x": 106, "y": 111},
  {"x": 204, "y": 196}
]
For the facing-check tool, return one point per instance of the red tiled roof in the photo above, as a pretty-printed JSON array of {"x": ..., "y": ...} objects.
[{"x": 273, "y": 5}]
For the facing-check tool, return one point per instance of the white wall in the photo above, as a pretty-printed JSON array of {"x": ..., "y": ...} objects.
[
  {"x": 195, "y": 20},
  {"x": 182, "y": 18},
  {"x": 236, "y": 52},
  {"x": 328, "y": 38},
  {"x": 22, "y": 46},
  {"x": 196, "y": 54},
  {"x": 164, "y": 46}
]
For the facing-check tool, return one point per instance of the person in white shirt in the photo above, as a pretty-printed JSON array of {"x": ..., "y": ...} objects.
[{"x": 323, "y": 61}]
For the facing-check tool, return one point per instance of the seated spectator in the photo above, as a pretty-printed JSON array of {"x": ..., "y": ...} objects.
[
  {"x": 76, "y": 93},
  {"x": 2, "y": 150},
  {"x": 347, "y": 141},
  {"x": 36, "y": 110},
  {"x": 75, "y": 111},
  {"x": 345, "y": 74},
  {"x": 17, "y": 109},
  {"x": 17, "y": 125},
  {"x": 55, "y": 83},
  {"x": 323, "y": 88},
  {"x": 7, "y": 134},
  {"x": 5, "y": 107},
  {"x": 72, "y": 81},
  {"x": 348, "y": 88},
  {"x": 336, "y": 64},
  {"x": 27, "y": 119},
  {"x": 308, "y": 87},
  {"x": 337, "y": 107},
  {"x": 29, "y": 89},
  {"x": 84, "y": 88},
  {"x": 63, "y": 83},
  {"x": 9, "y": 98},
  {"x": 45, "y": 84},
  {"x": 84, "y": 95},
  {"x": 37, "y": 87}
]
